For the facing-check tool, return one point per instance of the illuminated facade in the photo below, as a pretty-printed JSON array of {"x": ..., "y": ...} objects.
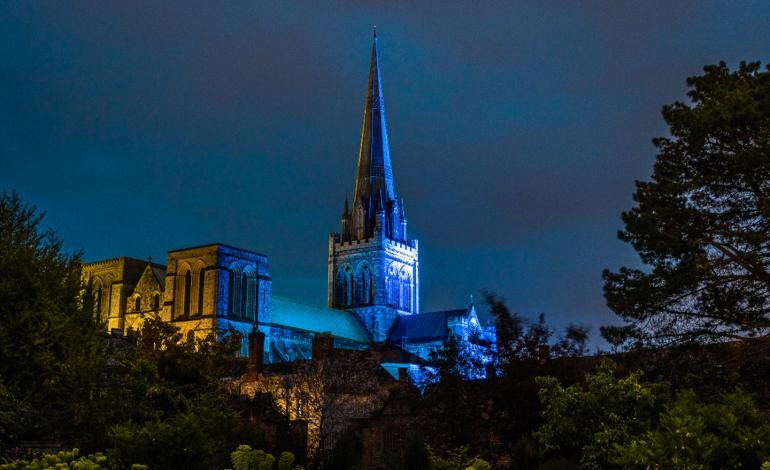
[
  {"x": 373, "y": 265},
  {"x": 373, "y": 279}
]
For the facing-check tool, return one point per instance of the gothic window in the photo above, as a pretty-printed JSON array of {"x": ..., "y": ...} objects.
[
  {"x": 339, "y": 288},
  {"x": 252, "y": 296},
  {"x": 255, "y": 289},
  {"x": 368, "y": 291},
  {"x": 98, "y": 301},
  {"x": 244, "y": 295},
  {"x": 405, "y": 290},
  {"x": 349, "y": 288},
  {"x": 393, "y": 287},
  {"x": 366, "y": 281},
  {"x": 156, "y": 302},
  {"x": 138, "y": 304},
  {"x": 345, "y": 286},
  {"x": 201, "y": 282},
  {"x": 230, "y": 292},
  {"x": 363, "y": 285},
  {"x": 187, "y": 287}
]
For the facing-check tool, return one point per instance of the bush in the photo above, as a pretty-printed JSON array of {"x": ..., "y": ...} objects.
[
  {"x": 63, "y": 460},
  {"x": 246, "y": 458},
  {"x": 692, "y": 434},
  {"x": 457, "y": 459},
  {"x": 286, "y": 461}
]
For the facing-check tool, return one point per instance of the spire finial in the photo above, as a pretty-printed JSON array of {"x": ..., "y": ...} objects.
[{"x": 374, "y": 29}]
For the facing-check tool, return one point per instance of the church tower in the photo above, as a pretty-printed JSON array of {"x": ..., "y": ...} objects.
[{"x": 373, "y": 265}]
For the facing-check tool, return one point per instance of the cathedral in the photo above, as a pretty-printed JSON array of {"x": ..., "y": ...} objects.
[{"x": 373, "y": 279}]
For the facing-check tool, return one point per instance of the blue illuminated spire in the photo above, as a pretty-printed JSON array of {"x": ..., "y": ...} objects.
[{"x": 375, "y": 173}]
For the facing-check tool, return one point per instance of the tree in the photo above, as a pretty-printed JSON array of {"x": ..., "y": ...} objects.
[
  {"x": 453, "y": 407},
  {"x": 51, "y": 347},
  {"x": 329, "y": 392},
  {"x": 586, "y": 421},
  {"x": 176, "y": 413},
  {"x": 702, "y": 224},
  {"x": 730, "y": 433},
  {"x": 624, "y": 422}
]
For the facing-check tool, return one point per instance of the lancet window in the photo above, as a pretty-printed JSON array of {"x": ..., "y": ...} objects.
[
  {"x": 187, "y": 288},
  {"x": 201, "y": 283}
]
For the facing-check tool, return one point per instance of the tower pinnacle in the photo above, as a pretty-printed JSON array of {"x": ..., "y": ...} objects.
[{"x": 375, "y": 173}]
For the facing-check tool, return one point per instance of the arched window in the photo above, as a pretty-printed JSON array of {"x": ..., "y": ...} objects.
[
  {"x": 187, "y": 287},
  {"x": 156, "y": 302},
  {"x": 201, "y": 283},
  {"x": 405, "y": 288},
  {"x": 230, "y": 293},
  {"x": 367, "y": 292},
  {"x": 244, "y": 295},
  {"x": 98, "y": 301},
  {"x": 138, "y": 304},
  {"x": 393, "y": 287},
  {"x": 406, "y": 295},
  {"x": 339, "y": 288},
  {"x": 349, "y": 288}
]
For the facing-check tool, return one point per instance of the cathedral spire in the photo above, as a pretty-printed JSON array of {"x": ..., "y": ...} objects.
[
  {"x": 375, "y": 174},
  {"x": 373, "y": 266}
]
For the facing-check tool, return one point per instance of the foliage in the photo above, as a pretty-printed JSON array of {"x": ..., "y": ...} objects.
[
  {"x": 447, "y": 425},
  {"x": 611, "y": 422},
  {"x": 62, "y": 378},
  {"x": 178, "y": 416},
  {"x": 246, "y": 458},
  {"x": 51, "y": 347},
  {"x": 328, "y": 392},
  {"x": 456, "y": 459},
  {"x": 586, "y": 421},
  {"x": 286, "y": 461},
  {"x": 702, "y": 223},
  {"x": 517, "y": 343},
  {"x": 197, "y": 437},
  {"x": 525, "y": 351},
  {"x": 416, "y": 455},
  {"x": 62, "y": 460},
  {"x": 696, "y": 435}
]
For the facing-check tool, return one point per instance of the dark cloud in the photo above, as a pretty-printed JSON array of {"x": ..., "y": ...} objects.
[{"x": 517, "y": 130}]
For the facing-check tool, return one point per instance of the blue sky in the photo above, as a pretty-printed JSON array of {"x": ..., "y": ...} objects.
[{"x": 517, "y": 129}]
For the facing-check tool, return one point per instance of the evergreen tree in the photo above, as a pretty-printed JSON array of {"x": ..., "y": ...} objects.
[
  {"x": 51, "y": 347},
  {"x": 702, "y": 224}
]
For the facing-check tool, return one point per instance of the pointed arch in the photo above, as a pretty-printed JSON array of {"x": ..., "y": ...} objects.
[
  {"x": 201, "y": 285},
  {"x": 392, "y": 285},
  {"x": 405, "y": 288},
  {"x": 230, "y": 292},
  {"x": 98, "y": 290},
  {"x": 106, "y": 307},
  {"x": 187, "y": 289},
  {"x": 345, "y": 284},
  {"x": 364, "y": 284}
]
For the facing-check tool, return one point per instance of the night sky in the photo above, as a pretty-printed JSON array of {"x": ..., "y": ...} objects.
[{"x": 517, "y": 130}]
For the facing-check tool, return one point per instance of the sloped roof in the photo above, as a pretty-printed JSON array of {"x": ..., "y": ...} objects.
[
  {"x": 423, "y": 326},
  {"x": 302, "y": 316},
  {"x": 160, "y": 275}
]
